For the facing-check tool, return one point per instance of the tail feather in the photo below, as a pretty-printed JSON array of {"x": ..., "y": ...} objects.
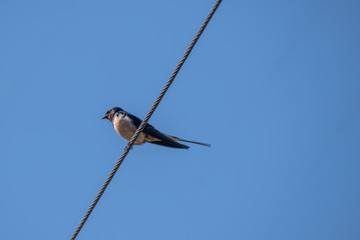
[{"x": 183, "y": 140}]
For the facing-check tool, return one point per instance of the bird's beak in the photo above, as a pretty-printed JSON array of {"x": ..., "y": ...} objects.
[{"x": 104, "y": 117}]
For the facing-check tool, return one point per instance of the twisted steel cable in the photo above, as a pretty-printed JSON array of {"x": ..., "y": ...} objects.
[{"x": 146, "y": 119}]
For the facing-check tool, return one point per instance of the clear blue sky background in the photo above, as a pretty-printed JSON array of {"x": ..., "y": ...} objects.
[{"x": 272, "y": 85}]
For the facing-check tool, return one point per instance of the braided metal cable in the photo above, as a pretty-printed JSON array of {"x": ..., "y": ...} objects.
[{"x": 146, "y": 119}]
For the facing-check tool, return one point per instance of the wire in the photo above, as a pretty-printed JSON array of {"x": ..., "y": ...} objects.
[{"x": 146, "y": 119}]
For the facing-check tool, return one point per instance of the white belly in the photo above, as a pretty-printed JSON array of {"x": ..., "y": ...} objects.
[{"x": 126, "y": 129}]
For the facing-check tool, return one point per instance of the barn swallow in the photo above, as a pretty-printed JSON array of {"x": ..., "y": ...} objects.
[{"x": 126, "y": 124}]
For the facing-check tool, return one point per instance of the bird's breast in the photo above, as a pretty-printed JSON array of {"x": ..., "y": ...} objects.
[{"x": 125, "y": 127}]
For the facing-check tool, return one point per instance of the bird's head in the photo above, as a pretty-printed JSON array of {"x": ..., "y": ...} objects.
[{"x": 111, "y": 112}]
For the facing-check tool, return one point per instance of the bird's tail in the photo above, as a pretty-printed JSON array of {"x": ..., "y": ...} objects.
[{"x": 183, "y": 140}]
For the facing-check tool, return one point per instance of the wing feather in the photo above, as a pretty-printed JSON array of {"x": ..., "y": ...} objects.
[{"x": 160, "y": 138}]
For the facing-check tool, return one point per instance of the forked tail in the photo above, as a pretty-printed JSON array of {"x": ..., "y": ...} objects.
[{"x": 183, "y": 140}]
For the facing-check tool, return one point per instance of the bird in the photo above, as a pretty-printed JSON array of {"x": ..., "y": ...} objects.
[{"x": 126, "y": 124}]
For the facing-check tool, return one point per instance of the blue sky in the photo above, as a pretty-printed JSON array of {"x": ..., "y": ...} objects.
[{"x": 272, "y": 85}]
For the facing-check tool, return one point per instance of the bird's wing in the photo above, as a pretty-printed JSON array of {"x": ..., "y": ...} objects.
[{"x": 157, "y": 137}]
